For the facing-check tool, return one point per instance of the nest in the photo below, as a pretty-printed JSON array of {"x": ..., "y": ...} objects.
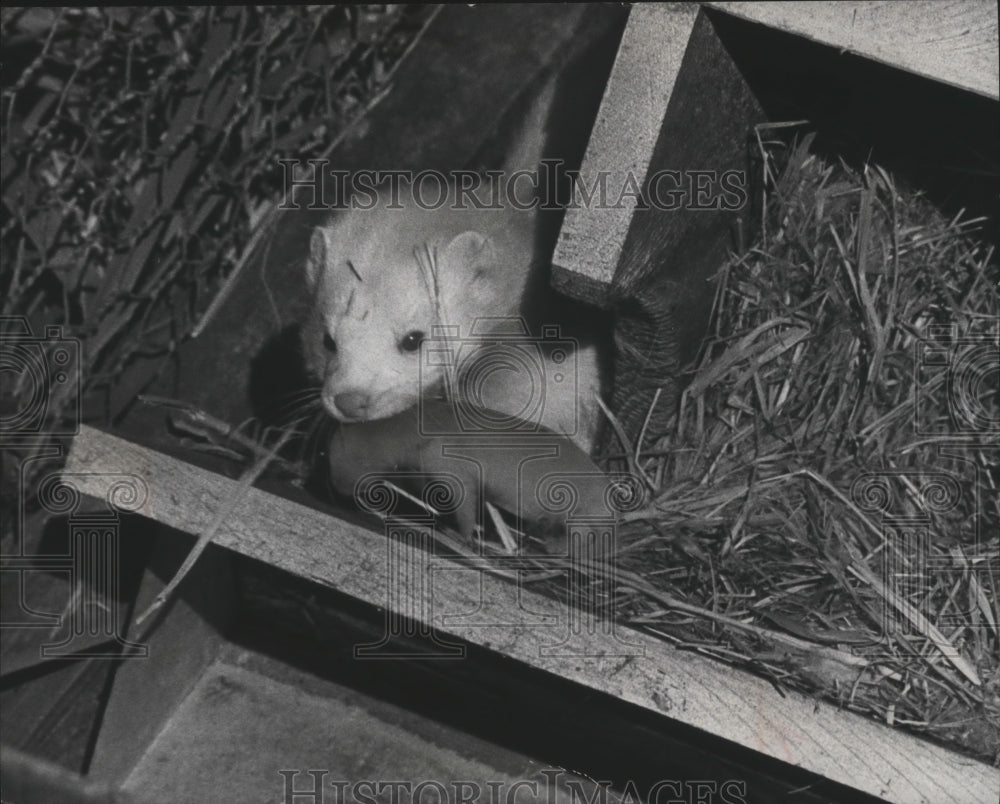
[{"x": 824, "y": 508}]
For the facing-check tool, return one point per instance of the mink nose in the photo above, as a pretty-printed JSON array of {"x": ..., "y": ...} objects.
[{"x": 353, "y": 404}]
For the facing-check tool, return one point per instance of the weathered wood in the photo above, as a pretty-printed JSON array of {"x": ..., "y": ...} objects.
[
  {"x": 621, "y": 144},
  {"x": 953, "y": 42},
  {"x": 697, "y": 117},
  {"x": 702, "y": 693},
  {"x": 695, "y": 196},
  {"x": 673, "y": 252}
]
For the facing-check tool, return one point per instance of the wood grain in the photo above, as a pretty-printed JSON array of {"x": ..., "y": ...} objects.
[
  {"x": 955, "y": 43},
  {"x": 952, "y": 42},
  {"x": 635, "y": 99},
  {"x": 674, "y": 253},
  {"x": 702, "y": 693}
]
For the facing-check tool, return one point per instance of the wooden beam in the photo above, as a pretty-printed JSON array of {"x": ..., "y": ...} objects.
[
  {"x": 953, "y": 42},
  {"x": 635, "y": 99},
  {"x": 705, "y": 694}
]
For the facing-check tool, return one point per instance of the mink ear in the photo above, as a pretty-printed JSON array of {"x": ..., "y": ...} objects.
[
  {"x": 470, "y": 250},
  {"x": 317, "y": 257}
]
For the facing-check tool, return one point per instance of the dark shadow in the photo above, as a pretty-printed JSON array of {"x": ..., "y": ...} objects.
[
  {"x": 931, "y": 136},
  {"x": 558, "y": 723},
  {"x": 277, "y": 376}
]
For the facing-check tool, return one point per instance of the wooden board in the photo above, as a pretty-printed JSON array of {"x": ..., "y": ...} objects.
[
  {"x": 621, "y": 143},
  {"x": 681, "y": 248},
  {"x": 241, "y": 729},
  {"x": 696, "y": 691},
  {"x": 954, "y": 42}
]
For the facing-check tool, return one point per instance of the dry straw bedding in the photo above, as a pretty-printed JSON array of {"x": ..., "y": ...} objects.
[{"x": 825, "y": 508}]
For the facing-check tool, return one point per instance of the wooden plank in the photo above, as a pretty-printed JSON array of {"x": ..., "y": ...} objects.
[
  {"x": 951, "y": 42},
  {"x": 649, "y": 59},
  {"x": 699, "y": 692},
  {"x": 954, "y": 42},
  {"x": 690, "y": 242},
  {"x": 671, "y": 247}
]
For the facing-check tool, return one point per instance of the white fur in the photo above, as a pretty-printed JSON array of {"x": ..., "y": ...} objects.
[
  {"x": 419, "y": 269},
  {"x": 382, "y": 273}
]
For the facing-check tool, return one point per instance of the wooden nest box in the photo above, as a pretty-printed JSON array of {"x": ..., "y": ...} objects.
[{"x": 208, "y": 716}]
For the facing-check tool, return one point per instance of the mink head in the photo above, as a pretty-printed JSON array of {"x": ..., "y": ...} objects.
[{"x": 382, "y": 287}]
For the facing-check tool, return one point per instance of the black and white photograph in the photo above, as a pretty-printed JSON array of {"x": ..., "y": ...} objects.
[{"x": 507, "y": 403}]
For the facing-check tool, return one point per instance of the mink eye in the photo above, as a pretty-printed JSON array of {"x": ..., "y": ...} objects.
[
  {"x": 329, "y": 343},
  {"x": 411, "y": 341}
]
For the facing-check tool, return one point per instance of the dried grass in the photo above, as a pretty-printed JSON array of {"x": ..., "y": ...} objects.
[
  {"x": 141, "y": 152},
  {"x": 828, "y": 477},
  {"x": 141, "y": 162},
  {"x": 824, "y": 511}
]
